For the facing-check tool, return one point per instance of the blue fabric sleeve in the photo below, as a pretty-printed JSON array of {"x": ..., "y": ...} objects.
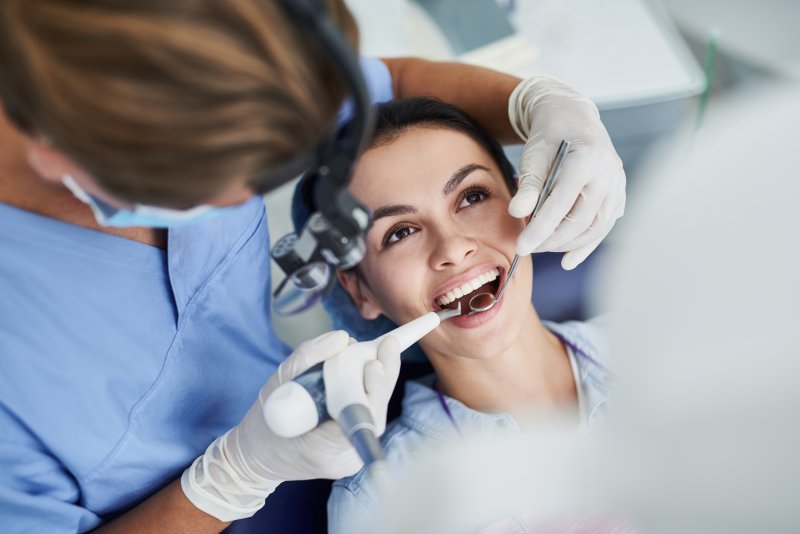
[
  {"x": 378, "y": 78},
  {"x": 36, "y": 493},
  {"x": 379, "y": 84}
]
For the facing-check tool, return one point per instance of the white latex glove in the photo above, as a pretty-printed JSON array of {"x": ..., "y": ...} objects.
[
  {"x": 241, "y": 468},
  {"x": 589, "y": 195}
]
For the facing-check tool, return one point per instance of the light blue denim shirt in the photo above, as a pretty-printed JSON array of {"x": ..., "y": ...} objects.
[{"x": 424, "y": 424}]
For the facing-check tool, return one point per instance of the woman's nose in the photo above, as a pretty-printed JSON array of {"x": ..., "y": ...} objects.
[{"x": 451, "y": 250}]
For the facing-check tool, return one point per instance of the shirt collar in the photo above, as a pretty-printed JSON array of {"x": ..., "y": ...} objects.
[{"x": 422, "y": 411}]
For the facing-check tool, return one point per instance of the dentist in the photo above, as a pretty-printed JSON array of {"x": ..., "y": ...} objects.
[{"x": 134, "y": 252}]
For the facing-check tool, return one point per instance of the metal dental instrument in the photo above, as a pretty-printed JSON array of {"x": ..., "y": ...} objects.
[{"x": 484, "y": 301}]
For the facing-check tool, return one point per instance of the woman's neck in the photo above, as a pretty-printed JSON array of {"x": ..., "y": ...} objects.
[{"x": 532, "y": 375}]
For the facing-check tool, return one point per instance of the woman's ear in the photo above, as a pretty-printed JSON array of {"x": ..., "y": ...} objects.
[{"x": 355, "y": 287}]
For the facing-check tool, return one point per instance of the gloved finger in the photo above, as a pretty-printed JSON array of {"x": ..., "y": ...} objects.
[
  {"x": 380, "y": 377},
  {"x": 575, "y": 257},
  {"x": 574, "y": 175},
  {"x": 602, "y": 221},
  {"x": 389, "y": 356},
  {"x": 533, "y": 168},
  {"x": 587, "y": 243},
  {"x": 587, "y": 212},
  {"x": 378, "y": 393},
  {"x": 322, "y": 347},
  {"x": 311, "y": 352},
  {"x": 329, "y": 442},
  {"x": 374, "y": 379},
  {"x": 611, "y": 210}
]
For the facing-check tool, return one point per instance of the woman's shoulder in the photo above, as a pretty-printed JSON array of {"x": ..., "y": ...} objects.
[
  {"x": 588, "y": 338},
  {"x": 592, "y": 363}
]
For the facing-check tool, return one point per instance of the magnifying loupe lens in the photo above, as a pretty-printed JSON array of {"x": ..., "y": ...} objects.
[{"x": 302, "y": 289}]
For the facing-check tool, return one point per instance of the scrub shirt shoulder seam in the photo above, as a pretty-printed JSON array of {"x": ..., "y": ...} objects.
[
  {"x": 235, "y": 249},
  {"x": 89, "y": 475}
]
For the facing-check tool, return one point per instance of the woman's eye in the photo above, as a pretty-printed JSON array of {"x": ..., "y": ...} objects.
[
  {"x": 472, "y": 197},
  {"x": 399, "y": 234}
]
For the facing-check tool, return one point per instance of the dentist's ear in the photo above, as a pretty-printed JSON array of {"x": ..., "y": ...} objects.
[
  {"x": 359, "y": 292},
  {"x": 48, "y": 162}
]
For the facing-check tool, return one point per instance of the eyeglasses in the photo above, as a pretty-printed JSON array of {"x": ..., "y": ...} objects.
[{"x": 302, "y": 289}]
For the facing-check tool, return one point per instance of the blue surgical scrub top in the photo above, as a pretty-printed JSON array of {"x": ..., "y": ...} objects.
[{"x": 121, "y": 362}]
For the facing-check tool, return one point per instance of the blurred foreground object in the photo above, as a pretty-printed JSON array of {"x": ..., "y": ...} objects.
[
  {"x": 707, "y": 301},
  {"x": 703, "y": 437}
]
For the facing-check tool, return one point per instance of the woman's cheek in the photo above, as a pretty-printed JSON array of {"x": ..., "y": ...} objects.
[
  {"x": 497, "y": 224},
  {"x": 390, "y": 286},
  {"x": 511, "y": 227}
]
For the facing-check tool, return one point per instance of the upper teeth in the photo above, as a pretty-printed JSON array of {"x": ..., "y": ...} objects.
[{"x": 467, "y": 287}]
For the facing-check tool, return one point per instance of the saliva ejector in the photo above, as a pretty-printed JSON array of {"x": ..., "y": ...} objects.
[{"x": 334, "y": 389}]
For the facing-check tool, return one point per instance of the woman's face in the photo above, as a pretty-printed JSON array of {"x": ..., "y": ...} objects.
[{"x": 441, "y": 227}]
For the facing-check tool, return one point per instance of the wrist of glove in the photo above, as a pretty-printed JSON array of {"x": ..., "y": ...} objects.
[
  {"x": 534, "y": 92},
  {"x": 215, "y": 485},
  {"x": 589, "y": 195},
  {"x": 240, "y": 469}
]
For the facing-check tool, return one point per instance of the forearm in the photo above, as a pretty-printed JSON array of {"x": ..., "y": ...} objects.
[
  {"x": 167, "y": 511},
  {"x": 482, "y": 93}
]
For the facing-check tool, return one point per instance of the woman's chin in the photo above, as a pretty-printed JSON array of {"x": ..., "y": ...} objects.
[{"x": 480, "y": 343}]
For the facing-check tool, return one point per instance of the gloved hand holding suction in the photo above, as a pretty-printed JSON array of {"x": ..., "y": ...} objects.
[
  {"x": 336, "y": 389},
  {"x": 241, "y": 468}
]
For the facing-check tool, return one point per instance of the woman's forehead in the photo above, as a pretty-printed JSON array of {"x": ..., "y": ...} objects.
[{"x": 421, "y": 159}]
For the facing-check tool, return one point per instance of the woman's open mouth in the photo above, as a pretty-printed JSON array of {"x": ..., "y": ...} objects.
[{"x": 486, "y": 282}]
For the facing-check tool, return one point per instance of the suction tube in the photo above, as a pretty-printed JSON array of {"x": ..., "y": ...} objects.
[{"x": 327, "y": 389}]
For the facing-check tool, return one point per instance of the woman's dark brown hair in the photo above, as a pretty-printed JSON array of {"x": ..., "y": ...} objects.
[{"x": 168, "y": 102}]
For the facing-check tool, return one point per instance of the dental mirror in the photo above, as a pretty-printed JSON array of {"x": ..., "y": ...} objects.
[{"x": 481, "y": 302}]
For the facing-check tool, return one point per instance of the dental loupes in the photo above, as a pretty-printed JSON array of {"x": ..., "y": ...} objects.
[{"x": 485, "y": 301}]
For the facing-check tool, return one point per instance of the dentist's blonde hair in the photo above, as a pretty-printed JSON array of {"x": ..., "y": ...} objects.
[{"x": 168, "y": 102}]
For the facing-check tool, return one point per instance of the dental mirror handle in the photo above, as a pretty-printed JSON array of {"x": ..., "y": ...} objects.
[
  {"x": 549, "y": 183},
  {"x": 510, "y": 274}
]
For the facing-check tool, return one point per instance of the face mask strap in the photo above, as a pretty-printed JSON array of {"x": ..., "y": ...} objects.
[
  {"x": 101, "y": 210},
  {"x": 140, "y": 215}
]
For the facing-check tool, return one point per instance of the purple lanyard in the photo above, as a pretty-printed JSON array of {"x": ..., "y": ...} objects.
[
  {"x": 569, "y": 344},
  {"x": 577, "y": 350},
  {"x": 446, "y": 408}
]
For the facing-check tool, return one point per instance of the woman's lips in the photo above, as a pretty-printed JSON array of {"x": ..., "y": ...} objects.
[
  {"x": 463, "y": 278},
  {"x": 489, "y": 287},
  {"x": 467, "y": 320},
  {"x": 476, "y": 319}
]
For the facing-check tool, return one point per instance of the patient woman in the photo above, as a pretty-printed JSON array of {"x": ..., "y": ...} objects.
[{"x": 439, "y": 188}]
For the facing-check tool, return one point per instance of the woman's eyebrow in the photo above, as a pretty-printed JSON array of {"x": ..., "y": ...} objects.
[
  {"x": 394, "y": 209},
  {"x": 459, "y": 176},
  {"x": 452, "y": 183}
]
